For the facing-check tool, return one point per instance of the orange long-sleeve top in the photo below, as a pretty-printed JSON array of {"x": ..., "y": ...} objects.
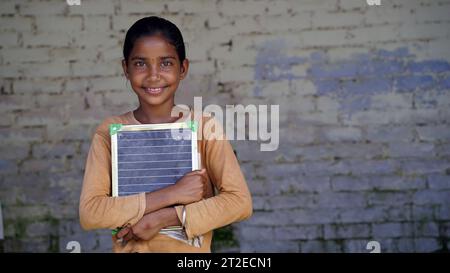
[{"x": 231, "y": 203}]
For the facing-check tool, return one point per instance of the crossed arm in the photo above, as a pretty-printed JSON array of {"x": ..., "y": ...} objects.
[{"x": 159, "y": 212}]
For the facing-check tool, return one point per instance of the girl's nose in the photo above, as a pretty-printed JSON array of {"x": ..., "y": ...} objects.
[{"x": 154, "y": 73}]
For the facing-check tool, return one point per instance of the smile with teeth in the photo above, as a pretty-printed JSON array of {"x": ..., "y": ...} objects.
[{"x": 153, "y": 90}]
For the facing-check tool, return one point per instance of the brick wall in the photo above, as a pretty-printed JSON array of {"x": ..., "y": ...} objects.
[{"x": 364, "y": 95}]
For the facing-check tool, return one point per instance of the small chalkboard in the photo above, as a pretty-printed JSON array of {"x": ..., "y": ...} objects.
[{"x": 149, "y": 157}]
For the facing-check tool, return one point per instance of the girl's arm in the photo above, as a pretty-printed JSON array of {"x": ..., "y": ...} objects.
[
  {"x": 149, "y": 225},
  {"x": 97, "y": 208}
]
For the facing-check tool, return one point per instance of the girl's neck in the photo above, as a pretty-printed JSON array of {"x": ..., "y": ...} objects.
[{"x": 155, "y": 114}]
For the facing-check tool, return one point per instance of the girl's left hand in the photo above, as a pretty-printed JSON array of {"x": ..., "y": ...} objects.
[{"x": 145, "y": 229}]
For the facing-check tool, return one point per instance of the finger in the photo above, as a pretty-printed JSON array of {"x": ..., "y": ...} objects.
[
  {"x": 195, "y": 172},
  {"x": 134, "y": 235},
  {"x": 123, "y": 232},
  {"x": 203, "y": 173},
  {"x": 205, "y": 188},
  {"x": 191, "y": 173},
  {"x": 129, "y": 236}
]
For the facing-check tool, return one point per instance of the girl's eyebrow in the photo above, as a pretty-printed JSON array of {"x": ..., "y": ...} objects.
[
  {"x": 138, "y": 58},
  {"x": 143, "y": 58}
]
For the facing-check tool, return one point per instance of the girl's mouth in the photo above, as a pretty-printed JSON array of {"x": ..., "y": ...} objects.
[{"x": 154, "y": 90}]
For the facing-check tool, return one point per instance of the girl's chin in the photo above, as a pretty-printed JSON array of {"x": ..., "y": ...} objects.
[{"x": 154, "y": 100}]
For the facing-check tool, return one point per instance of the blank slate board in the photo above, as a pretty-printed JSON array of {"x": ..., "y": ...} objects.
[{"x": 149, "y": 157}]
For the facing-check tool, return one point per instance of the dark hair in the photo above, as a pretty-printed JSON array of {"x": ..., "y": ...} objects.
[{"x": 150, "y": 26}]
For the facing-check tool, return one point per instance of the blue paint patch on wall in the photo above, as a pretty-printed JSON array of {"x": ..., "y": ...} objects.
[
  {"x": 444, "y": 84},
  {"x": 412, "y": 82},
  {"x": 273, "y": 65},
  {"x": 355, "y": 80},
  {"x": 433, "y": 66}
]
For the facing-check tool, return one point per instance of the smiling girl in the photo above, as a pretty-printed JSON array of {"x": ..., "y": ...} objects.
[{"x": 155, "y": 63}]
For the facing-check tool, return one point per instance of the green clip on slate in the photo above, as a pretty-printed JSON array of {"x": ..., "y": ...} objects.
[
  {"x": 192, "y": 124},
  {"x": 113, "y": 128}
]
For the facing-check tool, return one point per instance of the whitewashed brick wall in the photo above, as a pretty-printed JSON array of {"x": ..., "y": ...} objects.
[{"x": 364, "y": 95}]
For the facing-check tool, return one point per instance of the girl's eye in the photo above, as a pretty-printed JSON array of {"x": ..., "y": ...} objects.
[
  {"x": 166, "y": 63},
  {"x": 139, "y": 64}
]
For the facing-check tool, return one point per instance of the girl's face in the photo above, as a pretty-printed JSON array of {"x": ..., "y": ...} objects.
[{"x": 154, "y": 70}]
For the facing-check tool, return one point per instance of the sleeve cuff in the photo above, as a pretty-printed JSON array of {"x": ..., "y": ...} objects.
[
  {"x": 141, "y": 208},
  {"x": 179, "y": 210}
]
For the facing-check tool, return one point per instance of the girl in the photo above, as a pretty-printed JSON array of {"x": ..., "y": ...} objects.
[{"x": 155, "y": 63}]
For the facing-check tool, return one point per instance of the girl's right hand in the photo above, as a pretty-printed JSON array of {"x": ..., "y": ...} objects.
[{"x": 191, "y": 187}]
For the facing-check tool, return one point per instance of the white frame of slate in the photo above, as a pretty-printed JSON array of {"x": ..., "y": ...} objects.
[{"x": 147, "y": 127}]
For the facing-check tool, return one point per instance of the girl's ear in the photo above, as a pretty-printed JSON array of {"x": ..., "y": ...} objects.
[
  {"x": 184, "y": 68},
  {"x": 124, "y": 66}
]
